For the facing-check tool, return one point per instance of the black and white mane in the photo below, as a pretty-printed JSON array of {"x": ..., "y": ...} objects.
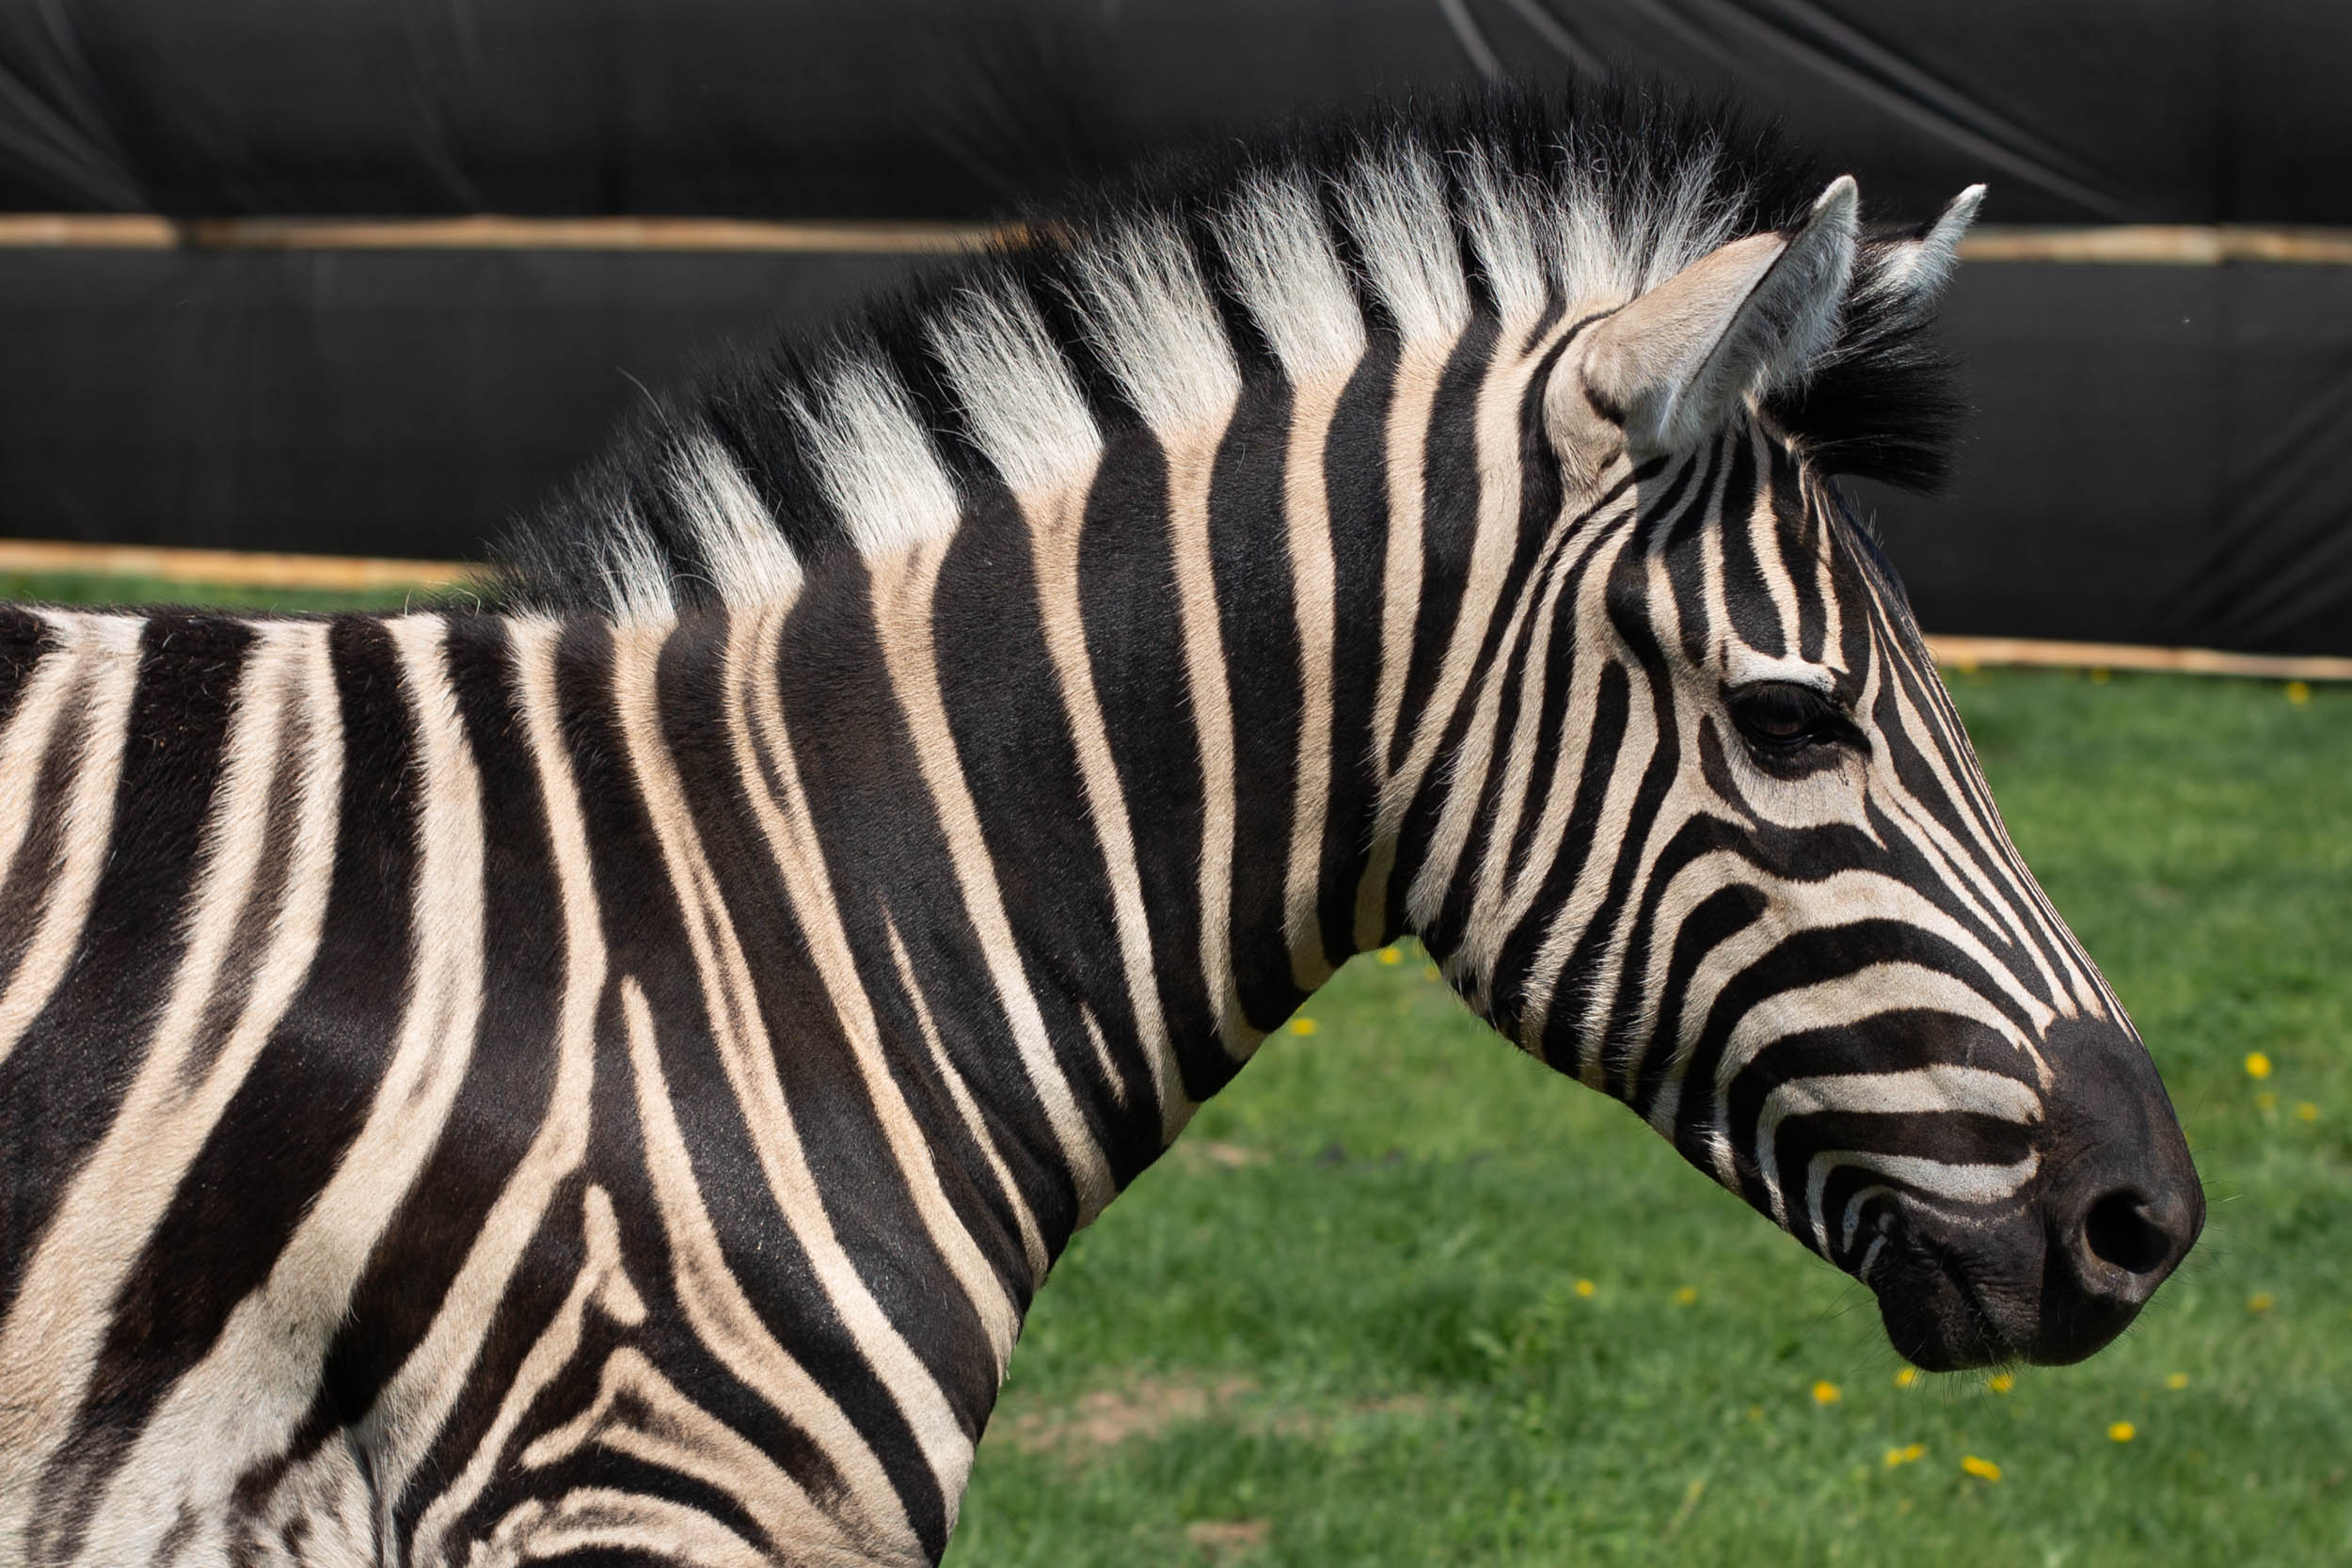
[{"x": 862, "y": 436}]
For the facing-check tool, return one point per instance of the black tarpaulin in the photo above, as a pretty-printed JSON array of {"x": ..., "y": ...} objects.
[
  {"x": 2162, "y": 453},
  {"x": 2187, "y": 111},
  {"x": 2158, "y": 456}
]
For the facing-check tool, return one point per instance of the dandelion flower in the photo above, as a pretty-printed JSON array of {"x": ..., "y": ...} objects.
[
  {"x": 1685, "y": 1296},
  {"x": 2001, "y": 1383},
  {"x": 2261, "y": 1300},
  {"x": 1910, "y": 1453},
  {"x": 2257, "y": 1064},
  {"x": 1585, "y": 1288},
  {"x": 2122, "y": 1431},
  {"x": 1983, "y": 1469},
  {"x": 1825, "y": 1393},
  {"x": 2178, "y": 1380},
  {"x": 2306, "y": 1111},
  {"x": 1302, "y": 1026},
  {"x": 1906, "y": 1377},
  {"x": 2298, "y": 692},
  {"x": 1391, "y": 956}
]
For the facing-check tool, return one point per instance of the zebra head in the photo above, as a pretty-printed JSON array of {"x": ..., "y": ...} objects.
[{"x": 1757, "y": 888}]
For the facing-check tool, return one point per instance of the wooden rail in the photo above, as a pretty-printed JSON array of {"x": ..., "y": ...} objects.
[
  {"x": 231, "y": 569},
  {"x": 2163, "y": 244},
  {"x": 145, "y": 231},
  {"x": 1967, "y": 651},
  {"x": 353, "y": 574}
]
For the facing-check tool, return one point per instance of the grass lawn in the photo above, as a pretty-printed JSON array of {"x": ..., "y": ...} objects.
[{"x": 1402, "y": 1296}]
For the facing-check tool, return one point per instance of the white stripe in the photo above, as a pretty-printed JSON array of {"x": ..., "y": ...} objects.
[
  {"x": 1014, "y": 389},
  {"x": 101, "y": 656},
  {"x": 1939, "y": 1088},
  {"x": 878, "y": 465},
  {"x": 399, "y": 1428},
  {"x": 748, "y": 559}
]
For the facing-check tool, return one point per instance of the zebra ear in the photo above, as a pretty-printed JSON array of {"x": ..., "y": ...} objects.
[
  {"x": 1914, "y": 270},
  {"x": 1676, "y": 362}
]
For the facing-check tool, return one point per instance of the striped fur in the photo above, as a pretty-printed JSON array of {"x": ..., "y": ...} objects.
[{"x": 607, "y": 1078}]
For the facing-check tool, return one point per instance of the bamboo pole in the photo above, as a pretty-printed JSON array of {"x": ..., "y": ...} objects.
[
  {"x": 1966, "y": 652},
  {"x": 2142, "y": 245},
  {"x": 231, "y": 569}
]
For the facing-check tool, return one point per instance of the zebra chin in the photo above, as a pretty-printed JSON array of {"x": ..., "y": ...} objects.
[{"x": 2055, "y": 1272}]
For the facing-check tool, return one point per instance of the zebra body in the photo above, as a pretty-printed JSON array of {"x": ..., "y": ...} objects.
[{"x": 606, "y": 1079}]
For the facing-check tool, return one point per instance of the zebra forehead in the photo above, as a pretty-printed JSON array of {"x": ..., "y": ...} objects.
[{"x": 1008, "y": 369}]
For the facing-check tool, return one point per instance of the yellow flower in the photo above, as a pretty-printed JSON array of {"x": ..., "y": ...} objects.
[
  {"x": 1906, "y": 1377},
  {"x": 2123, "y": 1432},
  {"x": 2261, "y": 1300},
  {"x": 1685, "y": 1296},
  {"x": 1983, "y": 1469},
  {"x": 1391, "y": 956},
  {"x": 1585, "y": 1288},
  {"x": 1429, "y": 971},
  {"x": 2306, "y": 1111},
  {"x": 2298, "y": 692},
  {"x": 2257, "y": 1065},
  {"x": 1302, "y": 1026},
  {"x": 2099, "y": 677},
  {"x": 1825, "y": 1393},
  {"x": 2177, "y": 1379},
  {"x": 1910, "y": 1453},
  {"x": 2001, "y": 1383}
]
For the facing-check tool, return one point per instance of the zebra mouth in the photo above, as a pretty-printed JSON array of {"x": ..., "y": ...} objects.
[{"x": 1936, "y": 1314}]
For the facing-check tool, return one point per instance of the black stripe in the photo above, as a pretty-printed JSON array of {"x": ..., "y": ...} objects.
[
  {"x": 1256, "y": 618},
  {"x": 1355, "y": 478},
  {"x": 60, "y": 1087},
  {"x": 1135, "y": 641}
]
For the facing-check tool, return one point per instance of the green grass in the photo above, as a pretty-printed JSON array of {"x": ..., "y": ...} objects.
[
  {"x": 1341, "y": 1323},
  {"x": 105, "y": 588}
]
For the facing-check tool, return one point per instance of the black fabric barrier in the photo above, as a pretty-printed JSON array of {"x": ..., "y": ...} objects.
[
  {"x": 2075, "y": 110},
  {"x": 2159, "y": 458}
]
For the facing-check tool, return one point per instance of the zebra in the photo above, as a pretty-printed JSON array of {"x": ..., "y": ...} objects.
[{"x": 602, "y": 1076}]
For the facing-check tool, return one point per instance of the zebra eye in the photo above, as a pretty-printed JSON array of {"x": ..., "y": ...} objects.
[{"x": 1782, "y": 715}]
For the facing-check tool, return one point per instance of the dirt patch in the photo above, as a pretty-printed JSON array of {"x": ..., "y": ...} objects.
[
  {"x": 1208, "y": 1154},
  {"x": 1105, "y": 1417},
  {"x": 1224, "y": 1538}
]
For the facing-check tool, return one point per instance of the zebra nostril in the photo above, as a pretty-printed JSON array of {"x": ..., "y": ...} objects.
[{"x": 2119, "y": 1230}]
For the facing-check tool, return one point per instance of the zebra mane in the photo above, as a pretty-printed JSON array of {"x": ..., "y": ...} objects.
[{"x": 1162, "y": 295}]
